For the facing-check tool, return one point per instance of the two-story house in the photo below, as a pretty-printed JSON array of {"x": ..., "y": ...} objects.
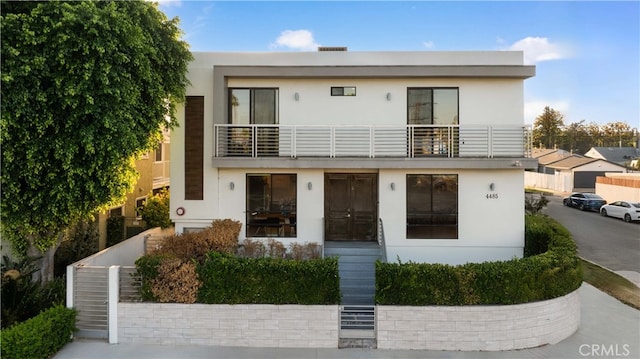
[{"x": 427, "y": 149}]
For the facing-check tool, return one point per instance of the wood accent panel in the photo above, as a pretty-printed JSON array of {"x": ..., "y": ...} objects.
[{"x": 194, "y": 148}]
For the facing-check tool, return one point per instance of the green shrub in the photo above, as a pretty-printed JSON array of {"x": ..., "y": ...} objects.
[
  {"x": 232, "y": 280},
  {"x": 22, "y": 297},
  {"x": 551, "y": 269},
  {"x": 155, "y": 212},
  {"x": 39, "y": 337},
  {"x": 147, "y": 268}
]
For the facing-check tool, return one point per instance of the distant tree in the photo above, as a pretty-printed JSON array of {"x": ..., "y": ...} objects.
[
  {"x": 595, "y": 133},
  {"x": 87, "y": 87},
  {"x": 618, "y": 134},
  {"x": 547, "y": 128},
  {"x": 575, "y": 138}
]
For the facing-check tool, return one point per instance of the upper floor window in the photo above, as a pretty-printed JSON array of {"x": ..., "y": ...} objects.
[
  {"x": 432, "y": 106},
  {"x": 158, "y": 157},
  {"x": 343, "y": 91},
  {"x": 253, "y": 106}
]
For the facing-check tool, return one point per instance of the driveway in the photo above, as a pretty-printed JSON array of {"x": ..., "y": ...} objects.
[{"x": 609, "y": 242}]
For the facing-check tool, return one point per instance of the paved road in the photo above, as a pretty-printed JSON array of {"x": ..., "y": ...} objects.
[{"x": 607, "y": 241}]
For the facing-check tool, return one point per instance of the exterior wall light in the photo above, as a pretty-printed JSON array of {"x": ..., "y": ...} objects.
[
  {"x": 296, "y": 96},
  {"x": 492, "y": 186},
  {"x": 388, "y": 96},
  {"x": 309, "y": 186},
  {"x": 232, "y": 185},
  {"x": 393, "y": 186}
]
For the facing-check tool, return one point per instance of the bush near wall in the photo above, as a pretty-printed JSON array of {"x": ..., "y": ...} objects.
[
  {"x": 39, "y": 337},
  {"x": 203, "y": 267},
  {"x": 233, "y": 280},
  {"x": 226, "y": 279},
  {"x": 550, "y": 269}
]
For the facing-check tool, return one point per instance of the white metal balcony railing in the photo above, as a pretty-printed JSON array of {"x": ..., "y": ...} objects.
[{"x": 407, "y": 141}]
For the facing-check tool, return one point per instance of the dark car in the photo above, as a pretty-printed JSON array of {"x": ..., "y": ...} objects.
[{"x": 584, "y": 201}]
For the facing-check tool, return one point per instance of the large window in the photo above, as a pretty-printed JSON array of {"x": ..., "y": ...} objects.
[
  {"x": 432, "y": 106},
  {"x": 431, "y": 112},
  {"x": 253, "y": 106},
  {"x": 432, "y": 206},
  {"x": 271, "y": 205}
]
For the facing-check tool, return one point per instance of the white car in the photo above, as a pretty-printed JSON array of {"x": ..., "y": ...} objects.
[{"x": 628, "y": 211}]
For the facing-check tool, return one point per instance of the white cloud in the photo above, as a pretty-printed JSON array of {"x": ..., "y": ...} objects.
[
  {"x": 533, "y": 109},
  {"x": 538, "y": 49},
  {"x": 297, "y": 40},
  {"x": 428, "y": 44}
]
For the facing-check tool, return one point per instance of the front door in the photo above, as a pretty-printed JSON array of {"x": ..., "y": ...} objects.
[{"x": 351, "y": 206}]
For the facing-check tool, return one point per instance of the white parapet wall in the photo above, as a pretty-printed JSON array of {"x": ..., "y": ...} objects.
[
  {"x": 242, "y": 325},
  {"x": 478, "y": 328}
]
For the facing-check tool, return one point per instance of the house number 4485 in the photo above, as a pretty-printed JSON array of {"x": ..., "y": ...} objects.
[{"x": 492, "y": 196}]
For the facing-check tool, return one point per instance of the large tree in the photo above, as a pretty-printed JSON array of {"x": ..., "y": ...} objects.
[
  {"x": 87, "y": 87},
  {"x": 547, "y": 128}
]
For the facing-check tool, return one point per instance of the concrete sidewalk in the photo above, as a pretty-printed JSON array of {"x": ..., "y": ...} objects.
[{"x": 608, "y": 329}]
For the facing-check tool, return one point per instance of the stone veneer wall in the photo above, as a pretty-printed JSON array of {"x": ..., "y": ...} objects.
[
  {"x": 256, "y": 325},
  {"x": 474, "y": 328},
  {"x": 468, "y": 328}
]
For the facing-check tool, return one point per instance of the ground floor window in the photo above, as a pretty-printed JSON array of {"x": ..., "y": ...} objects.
[
  {"x": 432, "y": 206},
  {"x": 271, "y": 205}
]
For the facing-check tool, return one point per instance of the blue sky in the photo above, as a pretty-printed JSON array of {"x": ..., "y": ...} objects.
[{"x": 587, "y": 53}]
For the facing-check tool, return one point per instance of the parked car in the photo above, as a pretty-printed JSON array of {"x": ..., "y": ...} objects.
[
  {"x": 628, "y": 211},
  {"x": 584, "y": 201}
]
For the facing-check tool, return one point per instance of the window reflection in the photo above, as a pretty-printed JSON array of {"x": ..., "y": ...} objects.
[
  {"x": 271, "y": 205},
  {"x": 432, "y": 206}
]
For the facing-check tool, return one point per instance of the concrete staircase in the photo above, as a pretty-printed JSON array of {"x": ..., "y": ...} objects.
[{"x": 356, "y": 265}]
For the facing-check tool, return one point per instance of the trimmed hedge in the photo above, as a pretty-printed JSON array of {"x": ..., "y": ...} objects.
[
  {"x": 39, "y": 337},
  {"x": 550, "y": 269},
  {"x": 233, "y": 280},
  {"x": 226, "y": 279}
]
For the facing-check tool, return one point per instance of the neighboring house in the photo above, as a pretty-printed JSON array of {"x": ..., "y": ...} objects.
[
  {"x": 582, "y": 171},
  {"x": 546, "y": 156},
  {"x": 326, "y": 146},
  {"x": 561, "y": 171},
  {"x": 620, "y": 155},
  {"x": 154, "y": 170}
]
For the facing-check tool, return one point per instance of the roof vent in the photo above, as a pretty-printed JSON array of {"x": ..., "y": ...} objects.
[{"x": 332, "y": 48}]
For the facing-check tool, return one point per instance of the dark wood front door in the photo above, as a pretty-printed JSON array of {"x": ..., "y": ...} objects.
[{"x": 351, "y": 206}]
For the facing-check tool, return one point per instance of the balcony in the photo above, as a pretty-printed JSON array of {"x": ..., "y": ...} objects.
[{"x": 375, "y": 141}]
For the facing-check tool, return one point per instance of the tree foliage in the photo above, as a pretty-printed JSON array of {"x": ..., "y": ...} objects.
[
  {"x": 155, "y": 212},
  {"x": 549, "y": 131},
  {"x": 87, "y": 87},
  {"x": 546, "y": 128}
]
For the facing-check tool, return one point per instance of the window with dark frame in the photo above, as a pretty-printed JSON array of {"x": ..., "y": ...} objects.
[
  {"x": 432, "y": 206},
  {"x": 432, "y": 106},
  {"x": 253, "y": 106},
  {"x": 343, "y": 91},
  {"x": 139, "y": 205},
  {"x": 271, "y": 205},
  {"x": 158, "y": 154}
]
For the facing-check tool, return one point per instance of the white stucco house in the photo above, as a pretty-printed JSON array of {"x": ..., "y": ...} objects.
[{"x": 326, "y": 146}]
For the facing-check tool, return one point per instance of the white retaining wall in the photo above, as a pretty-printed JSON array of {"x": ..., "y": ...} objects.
[
  {"x": 473, "y": 328},
  {"x": 242, "y": 325},
  {"x": 467, "y": 328}
]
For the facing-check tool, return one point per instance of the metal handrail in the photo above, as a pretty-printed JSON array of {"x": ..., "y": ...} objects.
[
  {"x": 381, "y": 241},
  {"x": 405, "y": 141}
]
